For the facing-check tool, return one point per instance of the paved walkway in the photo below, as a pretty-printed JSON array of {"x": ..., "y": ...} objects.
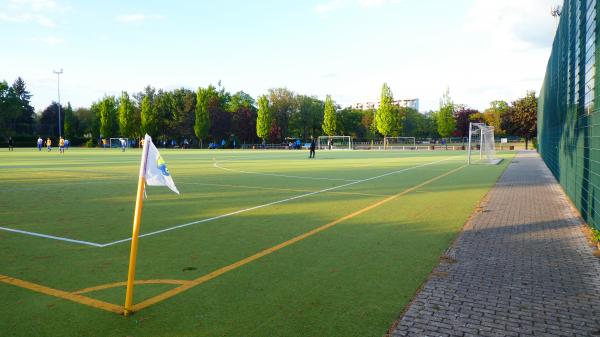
[{"x": 522, "y": 267}]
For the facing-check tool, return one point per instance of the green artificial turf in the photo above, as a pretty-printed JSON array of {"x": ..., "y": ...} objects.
[{"x": 353, "y": 279}]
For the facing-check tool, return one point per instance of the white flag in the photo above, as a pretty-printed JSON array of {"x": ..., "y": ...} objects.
[{"x": 157, "y": 173}]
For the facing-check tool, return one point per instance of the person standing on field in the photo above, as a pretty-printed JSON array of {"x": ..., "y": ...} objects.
[
  {"x": 40, "y": 143},
  {"x": 123, "y": 144},
  {"x": 49, "y": 144},
  {"x": 313, "y": 145},
  {"x": 11, "y": 144},
  {"x": 61, "y": 145}
]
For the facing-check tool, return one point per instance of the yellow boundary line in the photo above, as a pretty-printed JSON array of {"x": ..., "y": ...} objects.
[
  {"x": 170, "y": 293},
  {"x": 124, "y": 283},
  {"x": 63, "y": 294},
  {"x": 186, "y": 285}
]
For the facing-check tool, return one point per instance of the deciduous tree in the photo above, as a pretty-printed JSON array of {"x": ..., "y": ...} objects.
[{"x": 329, "y": 118}]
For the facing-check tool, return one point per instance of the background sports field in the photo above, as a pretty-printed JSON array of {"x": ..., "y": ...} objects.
[{"x": 349, "y": 278}]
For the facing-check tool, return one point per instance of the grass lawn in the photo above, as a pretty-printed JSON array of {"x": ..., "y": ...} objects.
[{"x": 348, "y": 278}]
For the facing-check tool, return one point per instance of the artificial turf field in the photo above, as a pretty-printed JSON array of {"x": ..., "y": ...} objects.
[{"x": 269, "y": 243}]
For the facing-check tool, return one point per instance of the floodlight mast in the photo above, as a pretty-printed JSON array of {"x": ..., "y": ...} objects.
[{"x": 58, "y": 86}]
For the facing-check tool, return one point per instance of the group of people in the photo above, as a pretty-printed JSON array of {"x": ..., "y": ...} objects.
[{"x": 62, "y": 144}]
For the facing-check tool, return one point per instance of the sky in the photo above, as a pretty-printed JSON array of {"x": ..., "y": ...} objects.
[{"x": 482, "y": 50}]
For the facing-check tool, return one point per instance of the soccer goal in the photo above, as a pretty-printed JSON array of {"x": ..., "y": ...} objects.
[
  {"x": 482, "y": 147},
  {"x": 335, "y": 143},
  {"x": 400, "y": 143},
  {"x": 115, "y": 143}
]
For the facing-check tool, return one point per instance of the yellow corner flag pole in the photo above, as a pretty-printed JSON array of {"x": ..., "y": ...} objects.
[{"x": 137, "y": 216}]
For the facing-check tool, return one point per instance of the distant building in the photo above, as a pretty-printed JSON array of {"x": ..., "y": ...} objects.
[{"x": 403, "y": 103}]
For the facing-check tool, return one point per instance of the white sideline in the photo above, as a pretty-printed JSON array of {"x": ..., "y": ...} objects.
[
  {"x": 101, "y": 245},
  {"x": 52, "y": 237},
  {"x": 216, "y": 164}
]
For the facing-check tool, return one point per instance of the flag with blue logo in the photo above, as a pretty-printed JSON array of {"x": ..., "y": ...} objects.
[{"x": 157, "y": 173}]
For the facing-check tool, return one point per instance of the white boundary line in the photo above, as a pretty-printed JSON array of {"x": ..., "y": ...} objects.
[
  {"x": 52, "y": 237},
  {"x": 216, "y": 164},
  {"x": 101, "y": 245}
]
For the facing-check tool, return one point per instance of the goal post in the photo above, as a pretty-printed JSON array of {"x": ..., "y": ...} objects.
[
  {"x": 335, "y": 143},
  {"x": 481, "y": 147},
  {"x": 400, "y": 143},
  {"x": 115, "y": 143}
]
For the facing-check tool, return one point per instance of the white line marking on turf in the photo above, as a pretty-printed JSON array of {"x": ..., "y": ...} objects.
[
  {"x": 100, "y": 245},
  {"x": 216, "y": 164},
  {"x": 52, "y": 237},
  {"x": 275, "y": 202}
]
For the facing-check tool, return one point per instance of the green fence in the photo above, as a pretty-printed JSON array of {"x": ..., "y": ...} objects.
[{"x": 568, "y": 112}]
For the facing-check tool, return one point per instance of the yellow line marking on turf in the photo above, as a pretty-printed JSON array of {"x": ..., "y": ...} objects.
[
  {"x": 186, "y": 285},
  {"x": 193, "y": 283},
  {"x": 62, "y": 294},
  {"x": 122, "y": 284}
]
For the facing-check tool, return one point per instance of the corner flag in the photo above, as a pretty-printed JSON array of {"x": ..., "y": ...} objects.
[
  {"x": 154, "y": 172},
  {"x": 157, "y": 173}
]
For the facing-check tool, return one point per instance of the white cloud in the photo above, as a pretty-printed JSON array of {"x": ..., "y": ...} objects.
[
  {"x": 137, "y": 17},
  {"x": 513, "y": 24},
  {"x": 32, "y": 11}
]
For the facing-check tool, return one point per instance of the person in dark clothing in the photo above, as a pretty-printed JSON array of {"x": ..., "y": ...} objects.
[
  {"x": 11, "y": 144},
  {"x": 312, "y": 148}
]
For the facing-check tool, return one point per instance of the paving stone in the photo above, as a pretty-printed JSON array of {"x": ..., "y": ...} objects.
[{"x": 522, "y": 267}]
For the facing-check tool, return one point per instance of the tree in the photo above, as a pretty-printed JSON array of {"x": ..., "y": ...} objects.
[
  {"x": 10, "y": 109},
  {"x": 349, "y": 122},
  {"x": 243, "y": 117},
  {"x": 48, "y": 122},
  {"x": 282, "y": 105},
  {"x": 522, "y": 117},
  {"x": 264, "y": 118},
  {"x": 25, "y": 121},
  {"x": 386, "y": 117},
  {"x": 329, "y": 118},
  {"x": 202, "y": 119},
  {"x": 149, "y": 117},
  {"x": 126, "y": 115},
  {"x": 71, "y": 126},
  {"x": 307, "y": 119},
  {"x": 445, "y": 119},
  {"x": 413, "y": 124},
  {"x": 86, "y": 120},
  {"x": 183, "y": 105},
  {"x": 464, "y": 116},
  {"x": 108, "y": 116},
  {"x": 494, "y": 114}
]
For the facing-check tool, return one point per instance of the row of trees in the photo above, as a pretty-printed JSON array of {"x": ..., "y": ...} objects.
[{"x": 214, "y": 114}]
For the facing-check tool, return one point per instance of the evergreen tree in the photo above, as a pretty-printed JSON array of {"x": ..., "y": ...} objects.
[{"x": 25, "y": 122}]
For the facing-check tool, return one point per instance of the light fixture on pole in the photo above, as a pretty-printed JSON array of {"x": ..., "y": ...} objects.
[{"x": 58, "y": 86}]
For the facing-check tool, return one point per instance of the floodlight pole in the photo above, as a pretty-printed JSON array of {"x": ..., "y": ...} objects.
[
  {"x": 58, "y": 86},
  {"x": 469, "y": 148}
]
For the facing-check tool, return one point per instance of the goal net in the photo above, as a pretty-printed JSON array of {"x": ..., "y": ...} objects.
[
  {"x": 335, "y": 143},
  {"x": 399, "y": 143},
  {"x": 115, "y": 143},
  {"x": 481, "y": 147}
]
